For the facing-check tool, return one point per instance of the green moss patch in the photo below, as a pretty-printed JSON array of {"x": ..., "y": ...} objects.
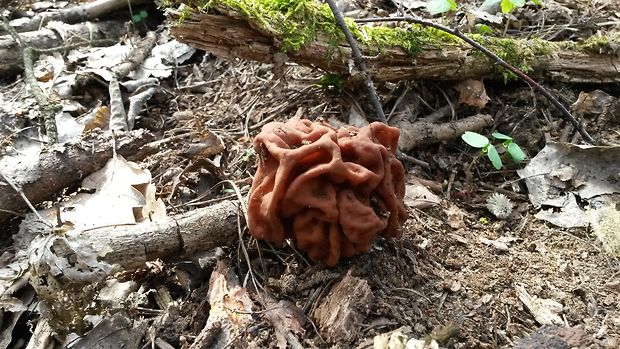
[{"x": 296, "y": 23}]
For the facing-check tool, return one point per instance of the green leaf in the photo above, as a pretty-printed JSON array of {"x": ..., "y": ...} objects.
[
  {"x": 501, "y": 136},
  {"x": 537, "y": 2},
  {"x": 509, "y": 5},
  {"x": 474, "y": 139},
  {"x": 440, "y": 6},
  {"x": 494, "y": 157},
  {"x": 136, "y": 18},
  {"x": 331, "y": 80},
  {"x": 484, "y": 29},
  {"x": 515, "y": 152},
  {"x": 143, "y": 14}
]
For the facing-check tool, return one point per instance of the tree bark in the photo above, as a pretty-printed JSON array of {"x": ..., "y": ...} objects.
[
  {"x": 234, "y": 37},
  {"x": 131, "y": 246},
  {"x": 64, "y": 166},
  {"x": 413, "y": 135}
]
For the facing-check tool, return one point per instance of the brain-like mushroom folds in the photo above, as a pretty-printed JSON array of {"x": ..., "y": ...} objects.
[{"x": 331, "y": 191}]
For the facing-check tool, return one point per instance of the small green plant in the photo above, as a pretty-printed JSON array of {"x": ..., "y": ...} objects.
[
  {"x": 441, "y": 6},
  {"x": 330, "y": 80},
  {"x": 249, "y": 155},
  {"x": 508, "y": 6},
  {"x": 139, "y": 17},
  {"x": 481, "y": 142}
]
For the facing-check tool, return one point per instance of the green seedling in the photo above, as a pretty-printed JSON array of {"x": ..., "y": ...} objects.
[
  {"x": 249, "y": 155},
  {"x": 483, "y": 29},
  {"x": 508, "y": 6},
  {"x": 481, "y": 142},
  {"x": 330, "y": 80},
  {"x": 442, "y": 6},
  {"x": 139, "y": 17}
]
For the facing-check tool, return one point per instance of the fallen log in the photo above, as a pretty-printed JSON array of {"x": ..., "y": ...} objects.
[
  {"x": 63, "y": 166},
  {"x": 128, "y": 247},
  {"x": 74, "y": 14},
  {"x": 413, "y": 135},
  {"x": 238, "y": 29},
  {"x": 63, "y": 264}
]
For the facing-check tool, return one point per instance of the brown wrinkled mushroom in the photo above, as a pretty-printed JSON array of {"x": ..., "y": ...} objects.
[{"x": 331, "y": 191}]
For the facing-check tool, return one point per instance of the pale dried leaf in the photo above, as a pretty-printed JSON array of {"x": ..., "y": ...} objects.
[
  {"x": 455, "y": 217},
  {"x": 419, "y": 196},
  {"x": 545, "y": 311},
  {"x": 472, "y": 92},
  {"x": 118, "y": 117},
  {"x": 498, "y": 245}
]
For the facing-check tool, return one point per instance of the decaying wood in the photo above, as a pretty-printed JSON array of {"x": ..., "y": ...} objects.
[
  {"x": 233, "y": 37},
  {"x": 343, "y": 311},
  {"x": 129, "y": 247},
  {"x": 54, "y": 35},
  {"x": 74, "y": 14},
  {"x": 185, "y": 234},
  {"x": 64, "y": 166},
  {"x": 419, "y": 133},
  {"x": 230, "y": 308}
]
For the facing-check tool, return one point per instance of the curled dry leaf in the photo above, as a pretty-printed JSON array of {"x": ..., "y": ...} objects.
[
  {"x": 419, "y": 196},
  {"x": 472, "y": 92}
]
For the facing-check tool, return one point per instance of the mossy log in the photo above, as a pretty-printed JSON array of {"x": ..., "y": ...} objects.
[{"x": 302, "y": 33}]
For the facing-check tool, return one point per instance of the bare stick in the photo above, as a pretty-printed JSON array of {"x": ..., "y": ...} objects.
[
  {"x": 372, "y": 92},
  {"x": 130, "y": 246},
  {"x": 359, "y": 61},
  {"x": 567, "y": 115},
  {"x": 47, "y": 108},
  {"x": 23, "y": 196}
]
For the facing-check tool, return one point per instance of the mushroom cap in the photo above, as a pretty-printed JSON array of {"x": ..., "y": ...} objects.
[{"x": 331, "y": 191}]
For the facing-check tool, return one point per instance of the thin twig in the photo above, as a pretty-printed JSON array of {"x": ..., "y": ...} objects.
[
  {"x": 359, "y": 61},
  {"x": 21, "y": 193},
  {"x": 361, "y": 66},
  {"x": 496, "y": 58},
  {"x": 244, "y": 210},
  {"x": 47, "y": 108}
]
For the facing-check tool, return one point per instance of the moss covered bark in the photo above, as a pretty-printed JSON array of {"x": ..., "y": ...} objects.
[{"x": 298, "y": 26}]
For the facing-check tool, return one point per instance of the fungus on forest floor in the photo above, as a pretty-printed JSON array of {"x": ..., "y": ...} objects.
[{"x": 331, "y": 191}]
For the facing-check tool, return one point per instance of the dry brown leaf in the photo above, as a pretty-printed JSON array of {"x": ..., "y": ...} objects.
[
  {"x": 99, "y": 118},
  {"x": 455, "y": 217},
  {"x": 418, "y": 196},
  {"x": 472, "y": 92}
]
